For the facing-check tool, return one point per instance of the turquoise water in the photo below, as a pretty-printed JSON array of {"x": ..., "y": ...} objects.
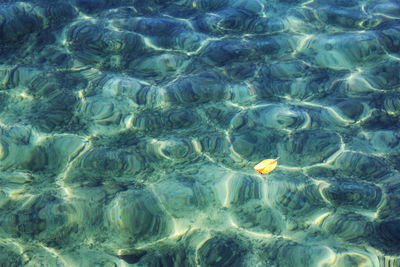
[{"x": 130, "y": 129}]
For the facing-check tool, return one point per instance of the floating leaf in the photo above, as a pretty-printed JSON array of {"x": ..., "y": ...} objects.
[{"x": 266, "y": 166}]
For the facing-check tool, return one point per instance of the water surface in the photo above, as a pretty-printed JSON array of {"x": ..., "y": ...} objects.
[{"x": 129, "y": 131}]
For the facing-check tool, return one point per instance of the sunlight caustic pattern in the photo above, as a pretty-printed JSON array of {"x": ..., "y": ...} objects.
[{"x": 130, "y": 129}]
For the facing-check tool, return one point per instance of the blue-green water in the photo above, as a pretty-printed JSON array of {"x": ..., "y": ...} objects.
[{"x": 130, "y": 129}]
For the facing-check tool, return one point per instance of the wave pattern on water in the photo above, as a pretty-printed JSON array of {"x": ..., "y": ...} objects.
[{"x": 129, "y": 130}]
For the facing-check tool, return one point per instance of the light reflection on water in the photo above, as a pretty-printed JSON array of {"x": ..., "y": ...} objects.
[{"x": 129, "y": 131}]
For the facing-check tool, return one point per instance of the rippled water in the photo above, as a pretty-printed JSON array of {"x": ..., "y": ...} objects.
[{"x": 130, "y": 128}]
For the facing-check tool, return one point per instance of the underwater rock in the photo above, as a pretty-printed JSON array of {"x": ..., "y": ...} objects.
[
  {"x": 253, "y": 144},
  {"x": 102, "y": 111},
  {"x": 152, "y": 26},
  {"x": 85, "y": 256},
  {"x": 352, "y": 194},
  {"x": 219, "y": 149},
  {"x": 188, "y": 41},
  {"x": 358, "y": 258},
  {"x": 241, "y": 93},
  {"x": 85, "y": 32},
  {"x": 17, "y": 24},
  {"x": 208, "y": 5},
  {"x": 289, "y": 253},
  {"x": 227, "y": 51},
  {"x": 154, "y": 122},
  {"x": 220, "y": 114},
  {"x": 389, "y": 37},
  {"x": 183, "y": 196},
  {"x": 281, "y": 117},
  {"x": 288, "y": 70},
  {"x": 164, "y": 32},
  {"x": 175, "y": 149},
  {"x": 345, "y": 17},
  {"x": 201, "y": 88},
  {"x": 349, "y": 226},
  {"x": 365, "y": 167},
  {"x": 392, "y": 104},
  {"x": 234, "y": 21},
  {"x": 384, "y": 8},
  {"x": 4, "y": 198},
  {"x": 238, "y": 20},
  {"x": 296, "y": 200},
  {"x": 255, "y": 216},
  {"x": 303, "y": 20},
  {"x": 239, "y": 71},
  {"x": 178, "y": 150},
  {"x": 353, "y": 86},
  {"x": 3, "y": 150},
  {"x": 21, "y": 76},
  {"x": 122, "y": 87},
  {"x": 108, "y": 162},
  {"x": 133, "y": 256},
  {"x": 306, "y": 147},
  {"x": 44, "y": 84},
  {"x": 390, "y": 208},
  {"x": 220, "y": 251},
  {"x": 268, "y": 25},
  {"x": 250, "y": 6},
  {"x": 286, "y": 81},
  {"x": 269, "y": 45},
  {"x": 389, "y": 260},
  {"x": 102, "y": 165},
  {"x": 60, "y": 149},
  {"x": 6, "y": 75},
  {"x": 93, "y": 6},
  {"x": 203, "y": 5},
  {"x": 271, "y": 116},
  {"x": 247, "y": 146},
  {"x": 379, "y": 120},
  {"x": 19, "y": 134},
  {"x": 338, "y": 3},
  {"x": 137, "y": 216},
  {"x": 9, "y": 254},
  {"x": 386, "y": 237},
  {"x": 384, "y": 141},
  {"x": 16, "y": 149},
  {"x": 159, "y": 67},
  {"x": 157, "y": 256},
  {"x": 216, "y": 145},
  {"x": 126, "y": 11},
  {"x": 352, "y": 109},
  {"x": 95, "y": 44},
  {"x": 37, "y": 160},
  {"x": 96, "y": 81},
  {"x": 57, "y": 13},
  {"x": 296, "y": 89},
  {"x": 342, "y": 50},
  {"x": 272, "y": 46},
  {"x": 384, "y": 76},
  {"x": 55, "y": 112},
  {"x": 245, "y": 188},
  {"x": 45, "y": 218},
  {"x": 207, "y": 23}
]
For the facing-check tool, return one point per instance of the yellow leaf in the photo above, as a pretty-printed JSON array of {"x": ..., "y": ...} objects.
[{"x": 266, "y": 166}]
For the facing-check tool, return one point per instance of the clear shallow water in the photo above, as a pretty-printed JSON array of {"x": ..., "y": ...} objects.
[{"x": 129, "y": 130}]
